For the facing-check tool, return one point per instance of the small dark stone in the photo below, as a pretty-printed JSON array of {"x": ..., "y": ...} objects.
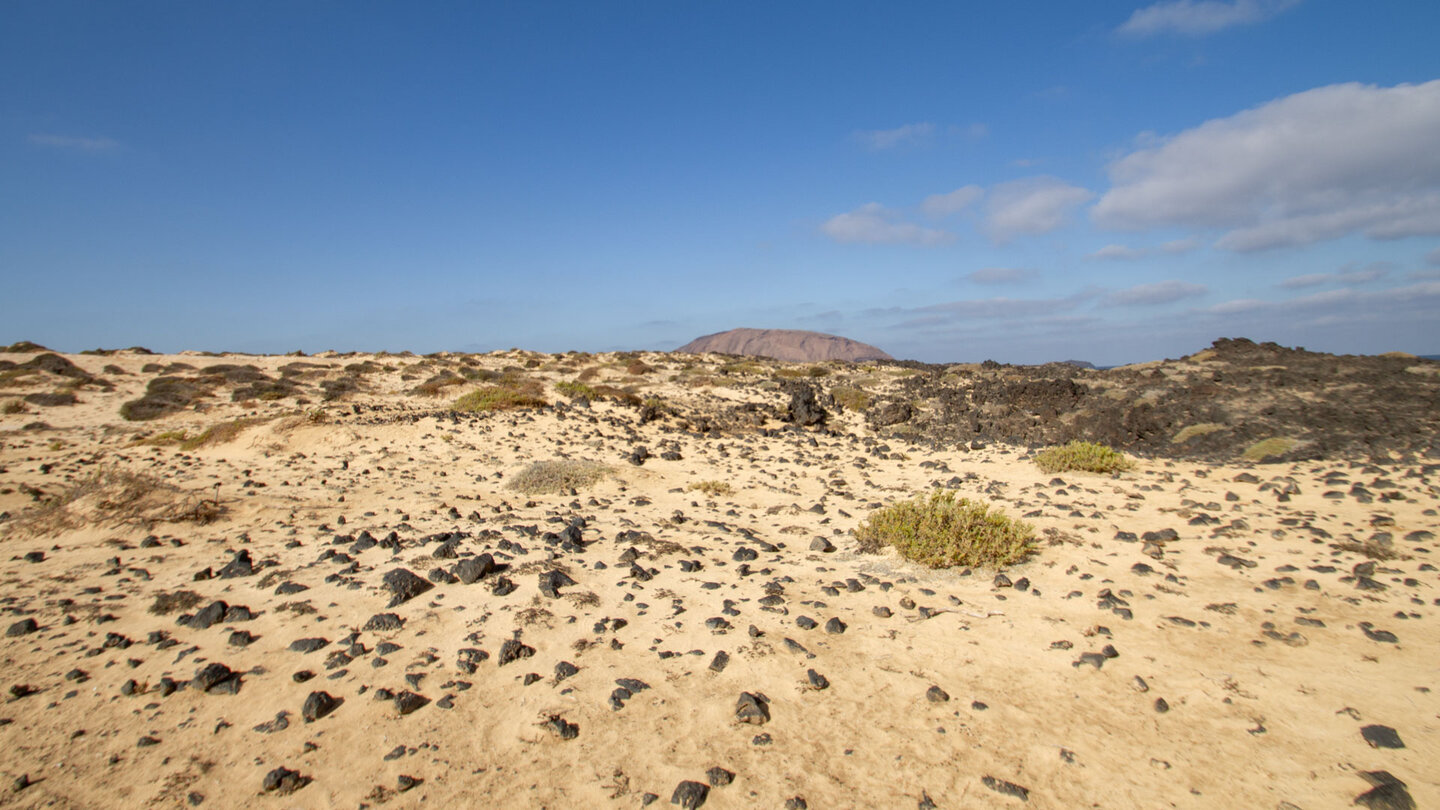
[
  {"x": 318, "y": 705},
  {"x": 472, "y": 569},
  {"x": 214, "y": 675},
  {"x": 513, "y": 650},
  {"x": 1381, "y": 737},
  {"x": 24, "y": 627},
  {"x": 1387, "y": 792},
  {"x": 404, "y": 585},
  {"x": 936, "y": 695},
  {"x": 308, "y": 645},
  {"x": 407, "y": 702},
  {"x": 817, "y": 680},
  {"x": 240, "y": 565},
  {"x": 209, "y": 615},
  {"x": 1161, "y": 706},
  {"x": 753, "y": 709},
  {"x": 1006, "y": 788},
  {"x": 565, "y": 730},
  {"x": 283, "y": 780},
  {"x": 690, "y": 795},
  {"x": 384, "y": 623},
  {"x": 720, "y": 661},
  {"x": 719, "y": 777},
  {"x": 835, "y": 626}
]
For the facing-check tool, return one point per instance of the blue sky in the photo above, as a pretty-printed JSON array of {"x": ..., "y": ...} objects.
[{"x": 1108, "y": 181}]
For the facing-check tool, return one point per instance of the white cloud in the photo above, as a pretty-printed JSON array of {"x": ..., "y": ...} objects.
[
  {"x": 1200, "y": 17},
  {"x": 1117, "y": 253},
  {"x": 1309, "y": 167},
  {"x": 874, "y": 224},
  {"x": 907, "y": 135},
  {"x": 1001, "y": 275},
  {"x": 72, "y": 142},
  {"x": 974, "y": 131},
  {"x": 1341, "y": 305},
  {"x": 1351, "y": 273},
  {"x": 1033, "y": 205},
  {"x": 1181, "y": 245},
  {"x": 1161, "y": 292},
  {"x": 940, "y": 205}
]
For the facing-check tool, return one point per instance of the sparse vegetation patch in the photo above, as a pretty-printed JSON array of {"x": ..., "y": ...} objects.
[
  {"x": 712, "y": 488},
  {"x": 942, "y": 530},
  {"x": 558, "y": 475},
  {"x": 1203, "y": 429},
  {"x": 498, "y": 398},
  {"x": 1266, "y": 448},
  {"x": 1082, "y": 456}
]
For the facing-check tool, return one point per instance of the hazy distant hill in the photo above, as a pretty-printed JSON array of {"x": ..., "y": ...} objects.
[{"x": 790, "y": 345}]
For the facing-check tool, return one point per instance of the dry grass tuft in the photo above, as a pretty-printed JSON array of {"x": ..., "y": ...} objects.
[
  {"x": 558, "y": 475},
  {"x": 712, "y": 488},
  {"x": 219, "y": 434},
  {"x": 113, "y": 496}
]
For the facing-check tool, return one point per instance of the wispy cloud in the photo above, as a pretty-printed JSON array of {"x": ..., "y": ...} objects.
[
  {"x": 1314, "y": 166},
  {"x": 1197, "y": 18},
  {"x": 1160, "y": 292},
  {"x": 1001, "y": 275},
  {"x": 1116, "y": 253},
  {"x": 74, "y": 143},
  {"x": 1033, "y": 205},
  {"x": 907, "y": 135},
  {"x": 873, "y": 223},
  {"x": 1349, "y": 274},
  {"x": 941, "y": 205}
]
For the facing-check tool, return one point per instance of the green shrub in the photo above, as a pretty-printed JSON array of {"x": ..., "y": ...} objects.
[
  {"x": 1265, "y": 448},
  {"x": 576, "y": 390},
  {"x": 1190, "y": 432},
  {"x": 941, "y": 530},
  {"x": 558, "y": 475},
  {"x": 497, "y": 398},
  {"x": 218, "y": 434},
  {"x": 1084, "y": 456},
  {"x": 851, "y": 399}
]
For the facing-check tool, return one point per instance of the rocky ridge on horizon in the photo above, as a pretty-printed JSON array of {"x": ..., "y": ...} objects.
[{"x": 788, "y": 345}]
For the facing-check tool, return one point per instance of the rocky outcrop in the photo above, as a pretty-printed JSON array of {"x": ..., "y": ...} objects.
[{"x": 789, "y": 345}]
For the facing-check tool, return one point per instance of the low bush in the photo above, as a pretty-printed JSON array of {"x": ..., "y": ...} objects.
[
  {"x": 218, "y": 434},
  {"x": 1267, "y": 448},
  {"x": 712, "y": 488},
  {"x": 164, "y": 396},
  {"x": 558, "y": 475},
  {"x": 576, "y": 390},
  {"x": 941, "y": 530},
  {"x": 1192, "y": 431},
  {"x": 1082, "y": 456},
  {"x": 851, "y": 399},
  {"x": 497, "y": 398}
]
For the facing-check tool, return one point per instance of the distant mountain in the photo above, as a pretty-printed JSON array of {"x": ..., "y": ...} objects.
[
  {"x": 1079, "y": 363},
  {"x": 790, "y": 345}
]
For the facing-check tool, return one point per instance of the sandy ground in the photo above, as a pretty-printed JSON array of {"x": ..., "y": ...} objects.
[{"x": 1239, "y": 661}]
